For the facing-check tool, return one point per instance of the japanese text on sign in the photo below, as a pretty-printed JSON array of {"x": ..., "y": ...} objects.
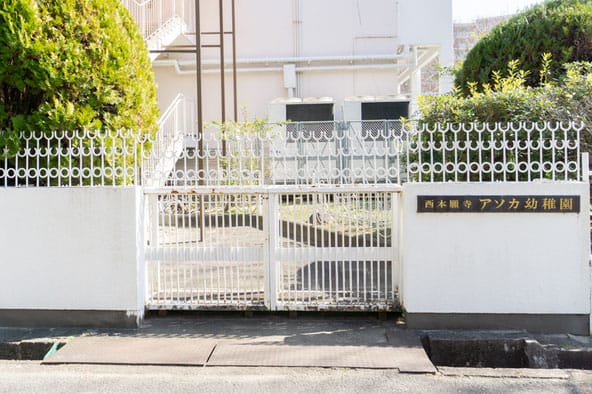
[{"x": 550, "y": 204}]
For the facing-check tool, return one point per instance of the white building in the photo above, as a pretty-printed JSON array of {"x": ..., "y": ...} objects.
[{"x": 338, "y": 50}]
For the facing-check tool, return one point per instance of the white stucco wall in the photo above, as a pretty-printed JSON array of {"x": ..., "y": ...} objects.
[
  {"x": 291, "y": 29},
  {"x": 72, "y": 249},
  {"x": 526, "y": 263}
]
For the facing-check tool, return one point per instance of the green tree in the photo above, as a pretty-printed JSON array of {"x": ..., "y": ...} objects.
[
  {"x": 72, "y": 65},
  {"x": 562, "y": 28}
]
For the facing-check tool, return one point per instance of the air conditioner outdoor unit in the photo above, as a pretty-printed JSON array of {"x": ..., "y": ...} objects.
[
  {"x": 369, "y": 108},
  {"x": 373, "y": 129},
  {"x": 303, "y": 128}
]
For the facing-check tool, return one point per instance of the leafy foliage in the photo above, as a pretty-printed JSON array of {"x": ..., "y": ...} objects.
[
  {"x": 71, "y": 65},
  {"x": 510, "y": 100},
  {"x": 244, "y": 142},
  {"x": 562, "y": 28}
]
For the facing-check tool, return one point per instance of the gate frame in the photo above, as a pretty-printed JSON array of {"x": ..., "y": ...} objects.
[{"x": 271, "y": 262}]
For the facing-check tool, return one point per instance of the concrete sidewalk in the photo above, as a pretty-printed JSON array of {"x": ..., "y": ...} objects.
[
  {"x": 242, "y": 342},
  {"x": 274, "y": 342},
  {"x": 339, "y": 355}
]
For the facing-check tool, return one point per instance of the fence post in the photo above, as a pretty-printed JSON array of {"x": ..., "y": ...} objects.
[
  {"x": 261, "y": 148},
  {"x": 585, "y": 167},
  {"x": 270, "y": 228},
  {"x": 396, "y": 225}
]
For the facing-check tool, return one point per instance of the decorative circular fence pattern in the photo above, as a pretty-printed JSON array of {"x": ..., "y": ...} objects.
[{"x": 370, "y": 152}]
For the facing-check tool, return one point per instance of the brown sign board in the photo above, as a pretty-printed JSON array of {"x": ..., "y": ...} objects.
[{"x": 498, "y": 204}]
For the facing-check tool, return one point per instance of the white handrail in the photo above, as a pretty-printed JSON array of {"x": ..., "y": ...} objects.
[
  {"x": 172, "y": 125},
  {"x": 152, "y": 15}
]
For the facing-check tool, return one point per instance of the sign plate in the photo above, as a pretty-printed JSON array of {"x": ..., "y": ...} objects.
[{"x": 501, "y": 204}]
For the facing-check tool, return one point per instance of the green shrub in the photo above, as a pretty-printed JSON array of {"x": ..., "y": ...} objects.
[
  {"x": 509, "y": 100},
  {"x": 72, "y": 65},
  {"x": 562, "y": 28}
]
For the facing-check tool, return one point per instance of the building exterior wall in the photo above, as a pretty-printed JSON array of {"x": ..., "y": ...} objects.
[{"x": 272, "y": 33}]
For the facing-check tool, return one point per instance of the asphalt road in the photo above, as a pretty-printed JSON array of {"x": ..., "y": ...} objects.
[{"x": 31, "y": 377}]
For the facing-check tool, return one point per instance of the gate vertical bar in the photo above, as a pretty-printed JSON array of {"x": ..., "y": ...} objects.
[
  {"x": 395, "y": 242},
  {"x": 401, "y": 234},
  {"x": 152, "y": 211},
  {"x": 270, "y": 228},
  {"x": 266, "y": 253}
]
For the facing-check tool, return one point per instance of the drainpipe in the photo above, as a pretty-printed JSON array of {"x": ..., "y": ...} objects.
[
  {"x": 297, "y": 41},
  {"x": 415, "y": 82}
]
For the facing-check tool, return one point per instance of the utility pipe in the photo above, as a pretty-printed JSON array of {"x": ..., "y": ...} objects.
[
  {"x": 315, "y": 59},
  {"x": 180, "y": 71}
]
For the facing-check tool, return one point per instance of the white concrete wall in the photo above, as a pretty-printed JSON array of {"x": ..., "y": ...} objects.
[
  {"x": 522, "y": 263},
  {"x": 72, "y": 249}
]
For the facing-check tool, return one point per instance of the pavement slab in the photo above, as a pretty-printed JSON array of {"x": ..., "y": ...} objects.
[
  {"x": 134, "y": 351},
  {"x": 254, "y": 343},
  {"x": 410, "y": 360}
]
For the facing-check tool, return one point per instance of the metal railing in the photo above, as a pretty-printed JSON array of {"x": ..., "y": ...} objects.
[
  {"x": 335, "y": 153},
  {"x": 512, "y": 152},
  {"x": 391, "y": 152},
  {"x": 76, "y": 158},
  {"x": 153, "y": 15},
  {"x": 168, "y": 145}
]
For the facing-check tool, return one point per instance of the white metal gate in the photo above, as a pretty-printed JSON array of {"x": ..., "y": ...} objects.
[
  {"x": 273, "y": 248},
  {"x": 305, "y": 216}
]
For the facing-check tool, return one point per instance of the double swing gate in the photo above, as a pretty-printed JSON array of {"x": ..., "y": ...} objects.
[{"x": 273, "y": 248}]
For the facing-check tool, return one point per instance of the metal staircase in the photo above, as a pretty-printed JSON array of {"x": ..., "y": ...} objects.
[{"x": 160, "y": 23}]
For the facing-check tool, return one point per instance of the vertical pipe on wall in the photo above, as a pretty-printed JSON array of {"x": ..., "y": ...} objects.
[
  {"x": 585, "y": 167},
  {"x": 198, "y": 79},
  {"x": 297, "y": 41},
  {"x": 200, "y": 139},
  {"x": 222, "y": 73},
  {"x": 234, "y": 78},
  {"x": 222, "y": 63}
]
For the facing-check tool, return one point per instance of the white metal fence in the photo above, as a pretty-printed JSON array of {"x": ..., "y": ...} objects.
[
  {"x": 336, "y": 153},
  {"x": 373, "y": 152},
  {"x": 514, "y": 152},
  {"x": 297, "y": 216},
  {"x": 75, "y": 158}
]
